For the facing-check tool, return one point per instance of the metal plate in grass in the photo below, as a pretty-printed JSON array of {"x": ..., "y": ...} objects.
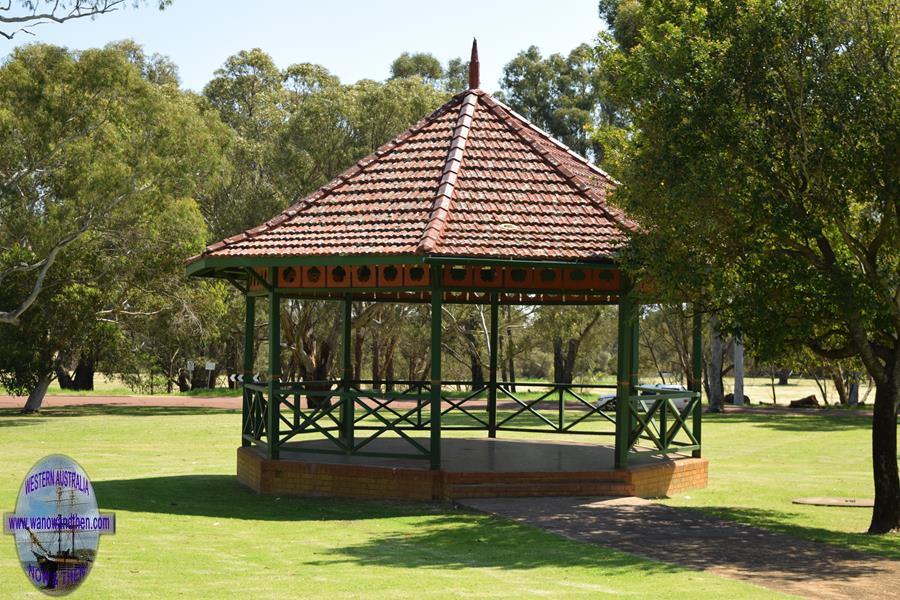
[{"x": 825, "y": 501}]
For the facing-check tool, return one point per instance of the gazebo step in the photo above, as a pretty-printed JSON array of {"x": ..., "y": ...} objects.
[
  {"x": 539, "y": 477},
  {"x": 535, "y": 488}
]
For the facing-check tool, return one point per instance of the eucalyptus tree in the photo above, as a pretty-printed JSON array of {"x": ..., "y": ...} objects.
[
  {"x": 565, "y": 95},
  {"x": 765, "y": 164},
  {"x": 94, "y": 158}
]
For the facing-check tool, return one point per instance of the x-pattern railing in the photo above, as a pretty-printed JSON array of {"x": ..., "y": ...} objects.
[
  {"x": 560, "y": 395},
  {"x": 308, "y": 420},
  {"x": 651, "y": 413},
  {"x": 387, "y": 424},
  {"x": 254, "y": 426}
]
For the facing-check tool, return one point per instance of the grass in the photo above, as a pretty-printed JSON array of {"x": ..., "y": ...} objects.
[{"x": 186, "y": 528}]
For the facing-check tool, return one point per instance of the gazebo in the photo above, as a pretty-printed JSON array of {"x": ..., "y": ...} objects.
[{"x": 472, "y": 204}]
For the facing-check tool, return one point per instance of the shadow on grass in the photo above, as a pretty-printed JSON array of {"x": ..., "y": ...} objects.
[
  {"x": 781, "y": 521},
  {"x": 443, "y": 537},
  {"x": 466, "y": 540},
  {"x": 222, "y": 496},
  {"x": 10, "y": 417},
  {"x": 695, "y": 539}
]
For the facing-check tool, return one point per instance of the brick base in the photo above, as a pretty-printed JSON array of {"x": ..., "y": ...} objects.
[{"x": 309, "y": 478}]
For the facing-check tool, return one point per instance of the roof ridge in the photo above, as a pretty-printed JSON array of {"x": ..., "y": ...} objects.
[
  {"x": 307, "y": 201},
  {"x": 498, "y": 109},
  {"x": 440, "y": 207}
]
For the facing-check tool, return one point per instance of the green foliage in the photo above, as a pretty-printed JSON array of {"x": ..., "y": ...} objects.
[
  {"x": 456, "y": 75},
  {"x": 455, "y": 78},
  {"x": 565, "y": 96},
  {"x": 765, "y": 165},
  {"x": 100, "y": 146},
  {"x": 623, "y": 18},
  {"x": 764, "y": 174},
  {"x": 419, "y": 64},
  {"x": 294, "y": 130}
]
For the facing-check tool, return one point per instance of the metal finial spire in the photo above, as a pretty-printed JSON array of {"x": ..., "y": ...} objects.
[{"x": 474, "y": 74}]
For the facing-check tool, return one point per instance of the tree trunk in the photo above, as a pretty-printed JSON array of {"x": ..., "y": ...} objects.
[
  {"x": 36, "y": 397},
  {"x": 389, "y": 374},
  {"x": 62, "y": 374},
  {"x": 562, "y": 368},
  {"x": 376, "y": 362},
  {"x": 358, "y": 341},
  {"x": 510, "y": 351},
  {"x": 477, "y": 373},
  {"x": 886, "y": 514},
  {"x": 783, "y": 376},
  {"x": 83, "y": 378},
  {"x": 320, "y": 374},
  {"x": 716, "y": 389},
  {"x": 841, "y": 386},
  {"x": 738, "y": 371},
  {"x": 184, "y": 381},
  {"x": 198, "y": 378}
]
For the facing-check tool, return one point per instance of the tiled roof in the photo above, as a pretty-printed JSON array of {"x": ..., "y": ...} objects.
[{"x": 473, "y": 179}]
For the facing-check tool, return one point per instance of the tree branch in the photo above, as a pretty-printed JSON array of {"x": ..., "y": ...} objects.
[
  {"x": 80, "y": 9},
  {"x": 11, "y": 317}
]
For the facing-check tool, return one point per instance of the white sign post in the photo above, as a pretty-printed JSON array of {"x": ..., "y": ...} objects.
[{"x": 210, "y": 367}]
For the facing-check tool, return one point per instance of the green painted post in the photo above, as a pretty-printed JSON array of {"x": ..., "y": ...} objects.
[
  {"x": 697, "y": 377},
  {"x": 347, "y": 399},
  {"x": 561, "y": 413},
  {"x": 623, "y": 382},
  {"x": 436, "y": 304},
  {"x": 635, "y": 332},
  {"x": 274, "y": 367},
  {"x": 495, "y": 351},
  {"x": 249, "y": 338}
]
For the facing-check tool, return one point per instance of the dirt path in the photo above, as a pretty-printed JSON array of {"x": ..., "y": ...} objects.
[
  {"x": 697, "y": 541},
  {"x": 165, "y": 401}
]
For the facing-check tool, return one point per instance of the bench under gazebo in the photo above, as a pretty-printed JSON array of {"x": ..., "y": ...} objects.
[{"x": 472, "y": 204}]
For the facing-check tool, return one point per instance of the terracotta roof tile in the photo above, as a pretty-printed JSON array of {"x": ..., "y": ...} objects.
[{"x": 472, "y": 179}]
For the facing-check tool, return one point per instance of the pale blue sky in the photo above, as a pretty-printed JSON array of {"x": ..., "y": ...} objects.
[{"x": 355, "y": 39}]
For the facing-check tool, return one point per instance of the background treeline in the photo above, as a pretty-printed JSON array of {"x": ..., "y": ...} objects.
[{"x": 118, "y": 175}]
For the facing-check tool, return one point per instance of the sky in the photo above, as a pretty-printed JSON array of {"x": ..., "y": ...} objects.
[{"x": 354, "y": 39}]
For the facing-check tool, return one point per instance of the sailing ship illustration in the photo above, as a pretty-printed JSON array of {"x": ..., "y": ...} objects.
[{"x": 64, "y": 568}]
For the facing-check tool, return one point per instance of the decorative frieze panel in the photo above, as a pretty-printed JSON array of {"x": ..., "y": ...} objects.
[{"x": 550, "y": 283}]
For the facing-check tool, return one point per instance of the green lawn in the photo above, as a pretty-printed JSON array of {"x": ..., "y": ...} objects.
[{"x": 186, "y": 528}]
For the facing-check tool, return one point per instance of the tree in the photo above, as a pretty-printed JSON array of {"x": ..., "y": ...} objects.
[
  {"x": 97, "y": 161},
  {"x": 294, "y": 130},
  {"x": 419, "y": 64},
  {"x": 77, "y": 146},
  {"x": 22, "y": 16},
  {"x": 456, "y": 75},
  {"x": 764, "y": 164},
  {"x": 566, "y": 96},
  {"x": 248, "y": 94},
  {"x": 566, "y": 329}
]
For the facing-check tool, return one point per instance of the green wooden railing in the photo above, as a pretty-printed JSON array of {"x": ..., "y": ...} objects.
[
  {"x": 656, "y": 417},
  {"x": 351, "y": 415}
]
